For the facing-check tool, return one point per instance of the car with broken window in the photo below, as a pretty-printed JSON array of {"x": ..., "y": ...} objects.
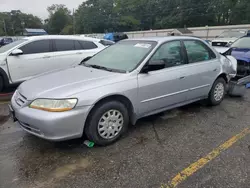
[{"x": 129, "y": 80}]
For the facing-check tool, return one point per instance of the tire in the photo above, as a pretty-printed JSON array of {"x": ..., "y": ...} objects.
[
  {"x": 107, "y": 122},
  {"x": 1, "y": 84},
  {"x": 219, "y": 87}
]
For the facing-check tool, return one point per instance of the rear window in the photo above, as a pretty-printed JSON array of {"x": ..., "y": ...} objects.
[{"x": 87, "y": 45}]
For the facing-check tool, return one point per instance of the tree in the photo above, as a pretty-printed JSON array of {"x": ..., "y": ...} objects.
[
  {"x": 59, "y": 19},
  {"x": 15, "y": 21},
  {"x": 128, "y": 15}
]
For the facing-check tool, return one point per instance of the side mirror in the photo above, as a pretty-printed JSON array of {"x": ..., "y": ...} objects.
[
  {"x": 16, "y": 52},
  {"x": 153, "y": 65},
  {"x": 86, "y": 59}
]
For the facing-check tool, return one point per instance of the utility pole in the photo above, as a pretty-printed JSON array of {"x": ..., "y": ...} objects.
[
  {"x": 13, "y": 30},
  {"x": 4, "y": 26},
  {"x": 74, "y": 24}
]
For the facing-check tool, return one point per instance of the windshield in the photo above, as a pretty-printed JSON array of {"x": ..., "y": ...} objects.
[
  {"x": 11, "y": 45},
  {"x": 242, "y": 43},
  {"x": 124, "y": 56},
  {"x": 232, "y": 34}
]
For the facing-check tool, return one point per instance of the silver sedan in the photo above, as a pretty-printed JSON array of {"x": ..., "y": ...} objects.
[{"x": 127, "y": 81}]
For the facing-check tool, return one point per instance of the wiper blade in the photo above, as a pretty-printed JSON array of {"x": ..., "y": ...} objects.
[{"x": 104, "y": 68}]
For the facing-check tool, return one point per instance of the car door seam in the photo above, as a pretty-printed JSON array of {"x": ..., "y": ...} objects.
[
  {"x": 164, "y": 96},
  {"x": 175, "y": 93},
  {"x": 199, "y": 87}
]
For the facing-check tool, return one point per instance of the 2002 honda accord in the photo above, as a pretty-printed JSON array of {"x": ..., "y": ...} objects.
[{"x": 127, "y": 81}]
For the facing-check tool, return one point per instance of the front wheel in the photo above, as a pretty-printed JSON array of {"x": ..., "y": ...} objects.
[
  {"x": 107, "y": 122},
  {"x": 217, "y": 92}
]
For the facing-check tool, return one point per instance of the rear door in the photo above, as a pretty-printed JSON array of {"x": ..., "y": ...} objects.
[
  {"x": 69, "y": 52},
  {"x": 36, "y": 59},
  {"x": 65, "y": 54},
  {"x": 202, "y": 69},
  {"x": 88, "y": 48}
]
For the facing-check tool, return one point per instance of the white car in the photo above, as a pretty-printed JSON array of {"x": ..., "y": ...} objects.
[
  {"x": 102, "y": 41},
  {"x": 228, "y": 37},
  {"x": 32, "y": 56}
]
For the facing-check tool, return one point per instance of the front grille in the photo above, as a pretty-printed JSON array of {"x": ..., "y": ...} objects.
[
  {"x": 20, "y": 99},
  {"x": 243, "y": 68},
  {"x": 219, "y": 43}
]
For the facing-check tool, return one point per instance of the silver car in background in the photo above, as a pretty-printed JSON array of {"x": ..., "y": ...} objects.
[{"x": 121, "y": 84}]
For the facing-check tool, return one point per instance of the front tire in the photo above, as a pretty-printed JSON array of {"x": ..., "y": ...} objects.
[
  {"x": 217, "y": 92},
  {"x": 107, "y": 122}
]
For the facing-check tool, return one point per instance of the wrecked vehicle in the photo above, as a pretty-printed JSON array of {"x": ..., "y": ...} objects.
[
  {"x": 127, "y": 81},
  {"x": 241, "y": 51}
]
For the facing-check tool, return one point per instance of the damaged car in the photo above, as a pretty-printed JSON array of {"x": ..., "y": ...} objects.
[
  {"x": 127, "y": 81},
  {"x": 241, "y": 51}
]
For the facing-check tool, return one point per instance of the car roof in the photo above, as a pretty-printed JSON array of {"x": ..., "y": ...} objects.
[
  {"x": 164, "y": 39},
  {"x": 72, "y": 37}
]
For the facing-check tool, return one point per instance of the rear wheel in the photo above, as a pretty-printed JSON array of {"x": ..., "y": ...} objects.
[
  {"x": 217, "y": 92},
  {"x": 107, "y": 122}
]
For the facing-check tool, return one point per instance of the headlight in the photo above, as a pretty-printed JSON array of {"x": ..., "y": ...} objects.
[{"x": 54, "y": 105}]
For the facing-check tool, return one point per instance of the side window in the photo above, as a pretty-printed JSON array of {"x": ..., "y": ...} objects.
[
  {"x": 36, "y": 47},
  {"x": 64, "y": 45},
  {"x": 77, "y": 45},
  {"x": 170, "y": 53},
  {"x": 88, "y": 45},
  {"x": 197, "y": 51}
]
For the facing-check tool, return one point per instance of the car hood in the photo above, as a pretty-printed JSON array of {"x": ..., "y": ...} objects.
[
  {"x": 225, "y": 39},
  {"x": 241, "y": 54},
  {"x": 238, "y": 53},
  {"x": 67, "y": 82},
  {"x": 221, "y": 50}
]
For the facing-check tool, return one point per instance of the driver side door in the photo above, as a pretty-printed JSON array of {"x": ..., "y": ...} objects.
[
  {"x": 162, "y": 89},
  {"x": 36, "y": 59}
]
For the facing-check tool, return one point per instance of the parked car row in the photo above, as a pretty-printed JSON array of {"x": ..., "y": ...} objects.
[
  {"x": 127, "y": 81},
  {"x": 32, "y": 56},
  {"x": 228, "y": 37},
  {"x": 6, "y": 40}
]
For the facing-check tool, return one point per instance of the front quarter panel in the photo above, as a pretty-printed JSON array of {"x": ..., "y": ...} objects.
[
  {"x": 127, "y": 88},
  {"x": 228, "y": 66}
]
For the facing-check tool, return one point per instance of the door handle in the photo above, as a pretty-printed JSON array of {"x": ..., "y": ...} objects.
[
  {"x": 45, "y": 57},
  {"x": 182, "y": 77},
  {"x": 215, "y": 70},
  {"x": 79, "y": 53}
]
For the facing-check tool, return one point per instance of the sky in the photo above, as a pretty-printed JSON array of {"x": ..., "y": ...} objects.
[{"x": 36, "y": 7}]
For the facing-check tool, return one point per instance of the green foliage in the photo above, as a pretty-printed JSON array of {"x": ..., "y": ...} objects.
[
  {"x": 15, "y": 21},
  {"x": 98, "y": 16},
  {"x": 128, "y": 15},
  {"x": 59, "y": 20}
]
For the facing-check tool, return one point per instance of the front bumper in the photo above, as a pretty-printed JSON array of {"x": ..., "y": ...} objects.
[{"x": 54, "y": 126}]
